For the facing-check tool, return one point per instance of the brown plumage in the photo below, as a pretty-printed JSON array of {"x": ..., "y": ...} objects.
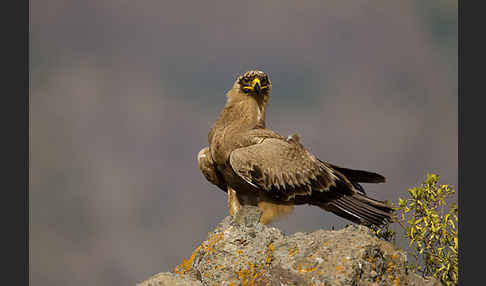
[{"x": 257, "y": 166}]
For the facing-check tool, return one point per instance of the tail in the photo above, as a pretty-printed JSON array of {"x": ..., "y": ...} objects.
[
  {"x": 355, "y": 205},
  {"x": 360, "y": 209},
  {"x": 360, "y": 176},
  {"x": 346, "y": 198}
]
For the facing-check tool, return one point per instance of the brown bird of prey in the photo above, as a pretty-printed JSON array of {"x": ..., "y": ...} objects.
[{"x": 256, "y": 166}]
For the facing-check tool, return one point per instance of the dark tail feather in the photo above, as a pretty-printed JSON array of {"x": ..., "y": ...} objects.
[
  {"x": 360, "y": 209},
  {"x": 360, "y": 176}
]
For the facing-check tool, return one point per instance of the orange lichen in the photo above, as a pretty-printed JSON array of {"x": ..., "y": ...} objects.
[
  {"x": 396, "y": 282},
  {"x": 339, "y": 268},
  {"x": 293, "y": 251},
  {"x": 269, "y": 258},
  {"x": 208, "y": 247},
  {"x": 312, "y": 269},
  {"x": 248, "y": 277},
  {"x": 186, "y": 263},
  {"x": 213, "y": 239},
  {"x": 254, "y": 274},
  {"x": 306, "y": 266}
]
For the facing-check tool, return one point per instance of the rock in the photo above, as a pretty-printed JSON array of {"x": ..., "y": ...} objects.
[
  {"x": 170, "y": 279},
  {"x": 241, "y": 251}
]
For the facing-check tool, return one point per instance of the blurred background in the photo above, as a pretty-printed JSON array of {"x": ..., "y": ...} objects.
[{"x": 123, "y": 94}]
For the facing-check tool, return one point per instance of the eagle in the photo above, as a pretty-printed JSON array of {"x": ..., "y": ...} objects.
[{"x": 257, "y": 166}]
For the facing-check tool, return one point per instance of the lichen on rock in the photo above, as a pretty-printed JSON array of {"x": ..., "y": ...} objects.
[{"x": 241, "y": 251}]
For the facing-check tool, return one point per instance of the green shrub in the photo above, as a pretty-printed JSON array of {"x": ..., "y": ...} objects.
[{"x": 430, "y": 223}]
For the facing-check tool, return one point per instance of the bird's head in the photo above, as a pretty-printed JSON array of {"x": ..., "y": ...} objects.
[{"x": 254, "y": 83}]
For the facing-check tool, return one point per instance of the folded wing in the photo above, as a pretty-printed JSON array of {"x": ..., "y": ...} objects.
[
  {"x": 284, "y": 169},
  {"x": 287, "y": 171}
]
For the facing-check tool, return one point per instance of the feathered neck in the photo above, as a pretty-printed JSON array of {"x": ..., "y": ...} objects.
[{"x": 254, "y": 107}]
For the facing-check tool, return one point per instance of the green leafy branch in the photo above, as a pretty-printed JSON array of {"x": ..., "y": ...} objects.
[{"x": 430, "y": 223}]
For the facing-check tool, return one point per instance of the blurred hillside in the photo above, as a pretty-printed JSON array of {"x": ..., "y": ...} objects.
[{"x": 123, "y": 94}]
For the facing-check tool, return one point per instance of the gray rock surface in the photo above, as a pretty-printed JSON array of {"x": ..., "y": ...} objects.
[
  {"x": 241, "y": 251},
  {"x": 170, "y": 279}
]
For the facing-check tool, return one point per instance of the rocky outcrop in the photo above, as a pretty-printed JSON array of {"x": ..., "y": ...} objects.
[{"x": 241, "y": 251}]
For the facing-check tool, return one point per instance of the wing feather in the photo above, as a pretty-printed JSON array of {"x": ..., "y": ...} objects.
[{"x": 277, "y": 164}]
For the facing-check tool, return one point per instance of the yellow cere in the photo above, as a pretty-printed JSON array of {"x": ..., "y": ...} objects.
[{"x": 254, "y": 83}]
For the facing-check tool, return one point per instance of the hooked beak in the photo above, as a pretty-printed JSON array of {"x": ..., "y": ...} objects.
[{"x": 256, "y": 85}]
